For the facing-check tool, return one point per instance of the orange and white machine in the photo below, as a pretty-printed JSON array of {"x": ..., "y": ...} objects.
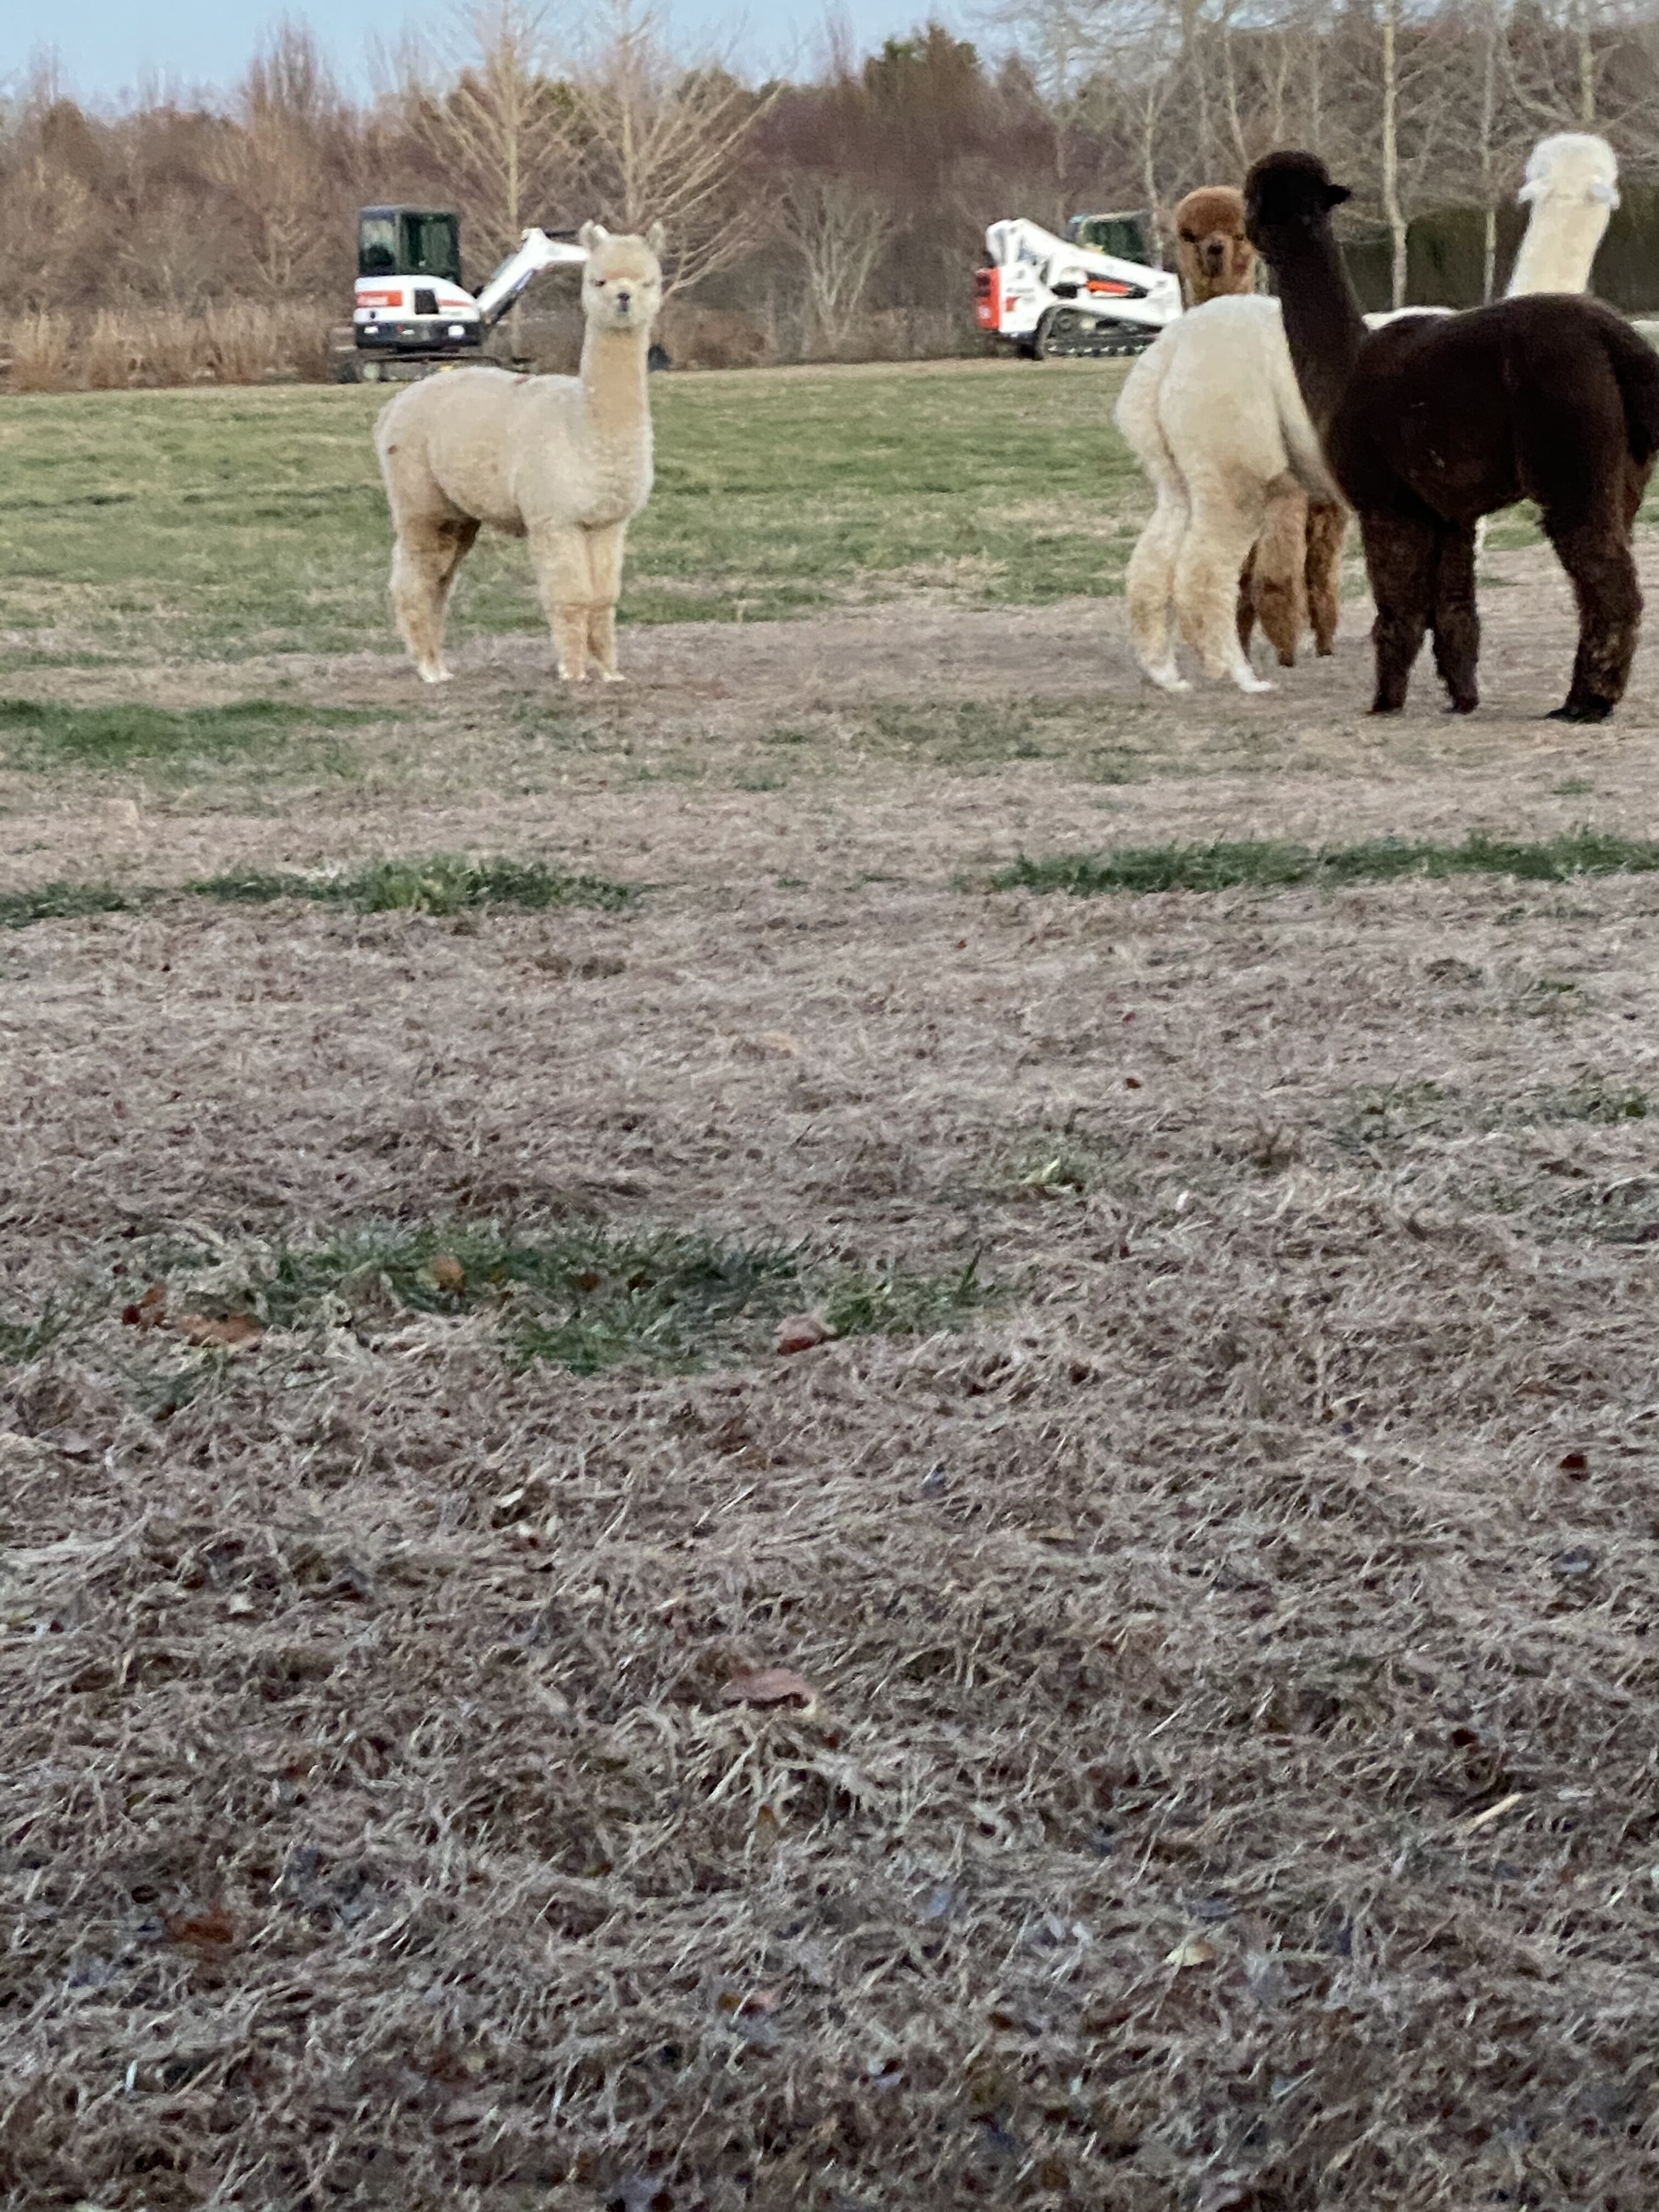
[{"x": 1048, "y": 296}]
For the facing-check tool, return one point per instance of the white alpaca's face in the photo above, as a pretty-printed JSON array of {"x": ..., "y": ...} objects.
[{"x": 622, "y": 284}]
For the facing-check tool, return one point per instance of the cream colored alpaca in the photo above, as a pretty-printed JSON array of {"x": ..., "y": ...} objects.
[
  {"x": 1572, "y": 184},
  {"x": 564, "y": 461}
]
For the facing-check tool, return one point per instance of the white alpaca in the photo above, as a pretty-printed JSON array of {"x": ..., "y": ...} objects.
[
  {"x": 1214, "y": 416},
  {"x": 1572, "y": 183},
  {"x": 564, "y": 461}
]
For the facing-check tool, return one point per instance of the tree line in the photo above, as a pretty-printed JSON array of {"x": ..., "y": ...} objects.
[{"x": 832, "y": 213}]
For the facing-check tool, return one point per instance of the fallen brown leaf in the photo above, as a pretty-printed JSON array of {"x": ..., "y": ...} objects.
[
  {"x": 150, "y": 1311},
  {"x": 447, "y": 1272},
  {"x": 768, "y": 1686},
  {"x": 801, "y": 1331},
  {"x": 212, "y": 1930},
  {"x": 235, "y": 1332}
]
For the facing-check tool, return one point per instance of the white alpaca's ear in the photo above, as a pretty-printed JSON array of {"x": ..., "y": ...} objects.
[
  {"x": 592, "y": 236},
  {"x": 656, "y": 238},
  {"x": 1530, "y": 190},
  {"x": 1604, "y": 195}
]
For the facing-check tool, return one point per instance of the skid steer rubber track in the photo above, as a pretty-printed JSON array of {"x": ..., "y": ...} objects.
[{"x": 1066, "y": 335}]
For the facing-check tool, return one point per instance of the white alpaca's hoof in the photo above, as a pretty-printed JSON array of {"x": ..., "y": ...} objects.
[
  {"x": 610, "y": 676},
  {"x": 1250, "y": 682},
  {"x": 1167, "y": 677},
  {"x": 568, "y": 676},
  {"x": 437, "y": 674}
]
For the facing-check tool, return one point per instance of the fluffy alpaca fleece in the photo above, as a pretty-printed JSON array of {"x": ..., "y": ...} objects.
[
  {"x": 1435, "y": 421},
  {"x": 1291, "y": 567},
  {"x": 1214, "y": 417},
  {"x": 1572, "y": 186},
  {"x": 565, "y": 461}
]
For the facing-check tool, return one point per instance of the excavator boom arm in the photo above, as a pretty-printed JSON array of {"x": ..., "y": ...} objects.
[{"x": 537, "y": 251}]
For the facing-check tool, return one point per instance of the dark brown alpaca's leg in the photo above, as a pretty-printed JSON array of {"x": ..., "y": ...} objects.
[
  {"x": 1247, "y": 599},
  {"x": 1327, "y": 526},
  {"x": 1400, "y": 560},
  {"x": 1596, "y": 554},
  {"x": 1456, "y": 624}
]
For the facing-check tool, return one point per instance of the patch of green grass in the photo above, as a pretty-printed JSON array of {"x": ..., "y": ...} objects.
[
  {"x": 1060, "y": 1164},
  {"x": 1595, "y": 1098},
  {"x": 1273, "y": 865},
  {"x": 23, "y": 1341},
  {"x": 442, "y": 885},
  {"x": 589, "y": 1297},
  {"x": 47, "y": 733},
  {"x": 1376, "y": 1114},
  {"x": 63, "y": 901}
]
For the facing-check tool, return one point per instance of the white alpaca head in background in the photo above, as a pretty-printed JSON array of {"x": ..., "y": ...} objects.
[
  {"x": 1571, "y": 190},
  {"x": 622, "y": 284},
  {"x": 1575, "y": 165}
]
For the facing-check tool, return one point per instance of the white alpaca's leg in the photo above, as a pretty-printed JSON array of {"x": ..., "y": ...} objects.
[
  {"x": 558, "y": 551},
  {"x": 604, "y": 558},
  {"x": 1227, "y": 518},
  {"x": 424, "y": 560},
  {"x": 1150, "y": 581}
]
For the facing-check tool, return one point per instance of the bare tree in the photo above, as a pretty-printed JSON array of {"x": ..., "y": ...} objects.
[
  {"x": 839, "y": 231},
  {"x": 499, "y": 127},
  {"x": 657, "y": 141},
  {"x": 274, "y": 167}
]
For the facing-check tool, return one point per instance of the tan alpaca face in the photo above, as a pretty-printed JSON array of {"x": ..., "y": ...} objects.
[
  {"x": 622, "y": 284},
  {"x": 1216, "y": 257}
]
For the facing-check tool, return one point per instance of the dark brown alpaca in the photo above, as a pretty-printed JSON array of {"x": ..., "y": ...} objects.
[{"x": 1432, "y": 421}]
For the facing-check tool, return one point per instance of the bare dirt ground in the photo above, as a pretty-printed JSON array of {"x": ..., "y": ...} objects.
[{"x": 1230, "y": 1777}]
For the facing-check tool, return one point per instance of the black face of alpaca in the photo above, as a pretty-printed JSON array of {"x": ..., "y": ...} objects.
[{"x": 1430, "y": 422}]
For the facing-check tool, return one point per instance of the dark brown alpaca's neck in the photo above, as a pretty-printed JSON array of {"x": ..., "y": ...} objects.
[{"x": 1323, "y": 326}]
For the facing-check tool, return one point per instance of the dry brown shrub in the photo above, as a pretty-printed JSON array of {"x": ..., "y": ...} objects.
[
  {"x": 714, "y": 338},
  {"x": 40, "y": 351},
  {"x": 112, "y": 357},
  {"x": 172, "y": 346},
  {"x": 241, "y": 343}
]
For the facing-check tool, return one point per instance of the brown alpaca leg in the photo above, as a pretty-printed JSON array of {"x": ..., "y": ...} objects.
[
  {"x": 1456, "y": 624},
  {"x": 558, "y": 551},
  {"x": 1247, "y": 599},
  {"x": 1400, "y": 560},
  {"x": 1596, "y": 554},
  {"x": 1327, "y": 526},
  {"x": 1278, "y": 585}
]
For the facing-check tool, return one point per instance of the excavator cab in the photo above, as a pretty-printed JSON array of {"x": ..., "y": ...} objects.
[{"x": 406, "y": 241}]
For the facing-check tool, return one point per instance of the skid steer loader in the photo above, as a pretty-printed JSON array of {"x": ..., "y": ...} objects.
[{"x": 1091, "y": 293}]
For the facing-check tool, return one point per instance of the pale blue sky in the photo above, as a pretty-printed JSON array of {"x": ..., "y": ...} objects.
[{"x": 109, "y": 49}]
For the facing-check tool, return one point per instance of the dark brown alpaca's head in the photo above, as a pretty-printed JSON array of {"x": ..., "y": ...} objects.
[
  {"x": 1288, "y": 197},
  {"x": 1215, "y": 255}
]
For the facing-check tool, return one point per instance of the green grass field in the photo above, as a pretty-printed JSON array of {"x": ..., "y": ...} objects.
[{"x": 214, "y": 524}]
